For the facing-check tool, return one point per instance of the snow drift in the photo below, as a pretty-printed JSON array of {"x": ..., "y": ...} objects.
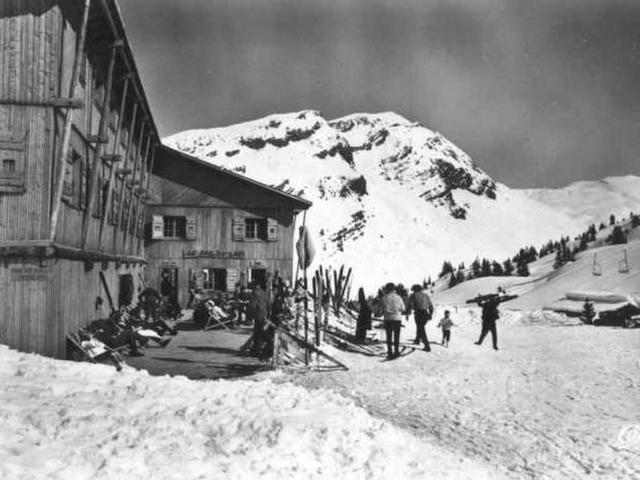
[
  {"x": 76, "y": 420},
  {"x": 391, "y": 198}
]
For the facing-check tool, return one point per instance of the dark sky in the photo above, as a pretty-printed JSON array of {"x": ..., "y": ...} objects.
[{"x": 538, "y": 92}]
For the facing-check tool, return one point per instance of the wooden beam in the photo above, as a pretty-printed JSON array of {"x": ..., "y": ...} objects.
[
  {"x": 98, "y": 139},
  {"x": 130, "y": 206},
  {"x": 144, "y": 201},
  {"x": 54, "y": 102},
  {"x": 66, "y": 135},
  {"x": 97, "y": 163},
  {"x": 124, "y": 173},
  {"x": 113, "y": 158}
]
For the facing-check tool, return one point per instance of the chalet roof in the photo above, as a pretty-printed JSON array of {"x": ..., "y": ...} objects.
[{"x": 200, "y": 179}]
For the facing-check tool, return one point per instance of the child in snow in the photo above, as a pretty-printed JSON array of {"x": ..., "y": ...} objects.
[{"x": 446, "y": 323}]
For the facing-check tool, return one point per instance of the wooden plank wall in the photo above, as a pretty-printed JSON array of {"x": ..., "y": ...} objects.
[
  {"x": 214, "y": 233},
  {"x": 28, "y": 62},
  {"x": 85, "y": 124},
  {"x": 38, "y": 313}
]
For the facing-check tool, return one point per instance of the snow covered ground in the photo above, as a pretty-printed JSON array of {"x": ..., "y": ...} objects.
[
  {"x": 558, "y": 400},
  {"x": 64, "y": 420}
]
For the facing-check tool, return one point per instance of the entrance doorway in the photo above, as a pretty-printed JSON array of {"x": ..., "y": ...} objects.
[
  {"x": 169, "y": 284},
  {"x": 125, "y": 290},
  {"x": 259, "y": 276}
]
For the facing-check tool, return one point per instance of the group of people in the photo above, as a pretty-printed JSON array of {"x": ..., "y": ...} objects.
[
  {"x": 393, "y": 303},
  {"x": 129, "y": 326}
]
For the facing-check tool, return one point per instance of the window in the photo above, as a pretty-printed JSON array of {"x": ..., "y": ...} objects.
[
  {"x": 255, "y": 228},
  {"x": 76, "y": 180},
  {"x": 12, "y": 163},
  {"x": 9, "y": 165},
  {"x": 215, "y": 279},
  {"x": 174, "y": 227}
]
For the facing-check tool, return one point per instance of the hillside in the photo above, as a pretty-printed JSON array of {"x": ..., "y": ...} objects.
[
  {"x": 546, "y": 285},
  {"x": 391, "y": 197},
  {"x": 593, "y": 201}
]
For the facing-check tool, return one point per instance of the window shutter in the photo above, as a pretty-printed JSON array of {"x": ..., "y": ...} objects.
[
  {"x": 233, "y": 277},
  {"x": 157, "y": 226},
  {"x": 272, "y": 230},
  {"x": 237, "y": 229},
  {"x": 192, "y": 228}
]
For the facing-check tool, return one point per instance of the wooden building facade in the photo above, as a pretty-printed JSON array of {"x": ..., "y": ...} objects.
[
  {"x": 77, "y": 145},
  {"x": 215, "y": 227}
]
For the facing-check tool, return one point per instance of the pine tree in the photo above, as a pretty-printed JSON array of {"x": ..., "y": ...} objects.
[
  {"x": 460, "y": 275},
  {"x": 618, "y": 236},
  {"x": 507, "y": 267},
  {"x": 485, "y": 269},
  {"x": 452, "y": 281},
  {"x": 558, "y": 261},
  {"x": 446, "y": 268},
  {"x": 523, "y": 269},
  {"x": 475, "y": 268},
  {"x": 588, "y": 312},
  {"x": 496, "y": 269},
  {"x": 612, "y": 219}
]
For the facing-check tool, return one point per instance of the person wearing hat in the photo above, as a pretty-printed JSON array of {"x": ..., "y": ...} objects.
[
  {"x": 422, "y": 307},
  {"x": 393, "y": 307}
]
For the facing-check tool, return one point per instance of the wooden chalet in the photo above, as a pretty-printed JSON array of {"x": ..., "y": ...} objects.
[
  {"x": 77, "y": 143},
  {"x": 79, "y": 154},
  {"x": 215, "y": 227}
]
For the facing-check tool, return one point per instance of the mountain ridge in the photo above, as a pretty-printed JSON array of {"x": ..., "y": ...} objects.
[{"x": 392, "y": 198}]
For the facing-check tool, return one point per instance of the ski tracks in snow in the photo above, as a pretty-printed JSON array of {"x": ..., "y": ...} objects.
[{"x": 553, "y": 403}]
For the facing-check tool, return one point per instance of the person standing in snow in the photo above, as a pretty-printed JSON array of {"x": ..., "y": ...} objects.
[
  {"x": 420, "y": 304},
  {"x": 258, "y": 310},
  {"x": 489, "y": 305},
  {"x": 364, "y": 318},
  {"x": 393, "y": 307},
  {"x": 446, "y": 323}
]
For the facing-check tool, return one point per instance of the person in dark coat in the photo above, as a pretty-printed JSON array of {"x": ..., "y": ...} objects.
[
  {"x": 150, "y": 301},
  {"x": 490, "y": 314},
  {"x": 420, "y": 304},
  {"x": 258, "y": 310},
  {"x": 364, "y": 318}
]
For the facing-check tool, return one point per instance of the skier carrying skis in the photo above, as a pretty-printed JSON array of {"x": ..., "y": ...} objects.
[{"x": 490, "y": 314}]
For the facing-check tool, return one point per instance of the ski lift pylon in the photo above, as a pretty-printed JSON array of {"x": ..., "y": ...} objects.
[
  {"x": 623, "y": 265},
  {"x": 597, "y": 269}
]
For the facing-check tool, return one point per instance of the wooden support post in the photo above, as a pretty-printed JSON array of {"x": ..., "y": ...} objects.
[
  {"x": 143, "y": 211},
  {"x": 66, "y": 133},
  {"x": 121, "y": 193},
  {"x": 97, "y": 163},
  {"x": 127, "y": 230},
  {"x": 112, "y": 173}
]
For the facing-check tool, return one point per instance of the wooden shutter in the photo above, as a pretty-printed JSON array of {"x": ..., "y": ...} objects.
[
  {"x": 237, "y": 229},
  {"x": 272, "y": 230},
  {"x": 191, "y": 229},
  {"x": 157, "y": 226},
  {"x": 233, "y": 277}
]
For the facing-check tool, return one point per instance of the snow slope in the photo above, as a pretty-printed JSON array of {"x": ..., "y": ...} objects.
[
  {"x": 593, "y": 202},
  {"x": 64, "y": 420},
  {"x": 392, "y": 198}
]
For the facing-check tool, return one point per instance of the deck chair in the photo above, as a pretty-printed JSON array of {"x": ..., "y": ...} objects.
[{"x": 96, "y": 355}]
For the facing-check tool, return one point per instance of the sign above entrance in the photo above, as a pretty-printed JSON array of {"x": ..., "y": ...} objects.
[{"x": 234, "y": 255}]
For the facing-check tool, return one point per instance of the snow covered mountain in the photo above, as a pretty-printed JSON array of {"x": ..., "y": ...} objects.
[
  {"x": 391, "y": 198},
  {"x": 593, "y": 201}
]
